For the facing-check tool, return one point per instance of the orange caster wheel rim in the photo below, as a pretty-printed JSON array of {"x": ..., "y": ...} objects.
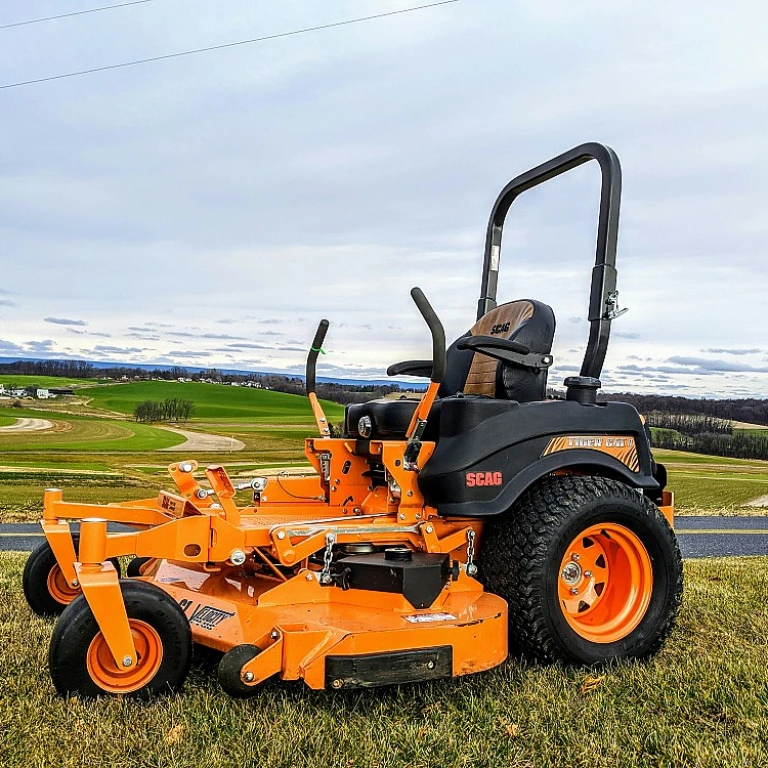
[
  {"x": 59, "y": 588},
  {"x": 605, "y": 583},
  {"x": 115, "y": 678}
]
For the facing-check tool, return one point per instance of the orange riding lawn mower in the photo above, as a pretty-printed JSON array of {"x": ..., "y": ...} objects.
[{"x": 435, "y": 537}]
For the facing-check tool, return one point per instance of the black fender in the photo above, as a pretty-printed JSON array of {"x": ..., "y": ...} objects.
[{"x": 585, "y": 462}]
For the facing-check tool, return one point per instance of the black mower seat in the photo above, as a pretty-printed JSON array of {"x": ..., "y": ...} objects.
[{"x": 528, "y": 322}]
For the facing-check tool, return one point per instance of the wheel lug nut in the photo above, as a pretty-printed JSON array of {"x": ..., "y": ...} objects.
[
  {"x": 588, "y": 574},
  {"x": 575, "y": 556},
  {"x": 574, "y": 591}
]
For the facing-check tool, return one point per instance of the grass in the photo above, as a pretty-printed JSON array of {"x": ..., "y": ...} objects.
[
  {"x": 46, "y": 381},
  {"x": 6, "y": 420},
  {"x": 84, "y": 433},
  {"x": 686, "y": 707},
  {"x": 214, "y": 401},
  {"x": 711, "y": 484}
]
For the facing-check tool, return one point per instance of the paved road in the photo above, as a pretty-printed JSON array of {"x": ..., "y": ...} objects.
[
  {"x": 698, "y": 536},
  {"x": 721, "y": 536}
]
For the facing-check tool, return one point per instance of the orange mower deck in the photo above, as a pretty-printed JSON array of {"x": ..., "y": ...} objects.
[{"x": 253, "y": 576}]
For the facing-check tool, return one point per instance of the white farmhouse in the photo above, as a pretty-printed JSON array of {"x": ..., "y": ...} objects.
[{"x": 43, "y": 394}]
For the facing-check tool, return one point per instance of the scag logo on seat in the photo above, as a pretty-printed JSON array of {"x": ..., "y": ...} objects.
[
  {"x": 499, "y": 328},
  {"x": 476, "y": 479}
]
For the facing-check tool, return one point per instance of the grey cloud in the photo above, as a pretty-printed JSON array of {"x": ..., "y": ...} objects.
[
  {"x": 733, "y": 351},
  {"x": 185, "y": 354},
  {"x": 105, "y": 349},
  {"x": 40, "y": 346},
  {"x": 8, "y": 303},
  {"x": 703, "y": 364},
  {"x": 63, "y": 321},
  {"x": 626, "y": 335}
]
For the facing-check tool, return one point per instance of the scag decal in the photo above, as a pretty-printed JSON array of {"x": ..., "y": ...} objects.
[
  {"x": 478, "y": 479},
  {"x": 499, "y": 328}
]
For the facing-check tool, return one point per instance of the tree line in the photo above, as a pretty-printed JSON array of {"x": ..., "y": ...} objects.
[
  {"x": 689, "y": 424},
  {"x": 750, "y": 410},
  {"x": 740, "y": 445},
  {"x": 172, "y": 409}
]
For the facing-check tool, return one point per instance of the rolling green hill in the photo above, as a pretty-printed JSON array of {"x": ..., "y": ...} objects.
[{"x": 217, "y": 402}]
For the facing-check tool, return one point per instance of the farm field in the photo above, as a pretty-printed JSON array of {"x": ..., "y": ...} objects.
[
  {"x": 701, "y": 708},
  {"x": 713, "y": 484},
  {"x": 213, "y": 402},
  {"x": 46, "y": 381}
]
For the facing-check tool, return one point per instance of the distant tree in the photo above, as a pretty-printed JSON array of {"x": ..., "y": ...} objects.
[{"x": 172, "y": 409}]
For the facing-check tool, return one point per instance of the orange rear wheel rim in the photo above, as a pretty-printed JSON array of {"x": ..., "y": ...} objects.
[
  {"x": 113, "y": 678},
  {"x": 59, "y": 588},
  {"x": 605, "y": 583}
]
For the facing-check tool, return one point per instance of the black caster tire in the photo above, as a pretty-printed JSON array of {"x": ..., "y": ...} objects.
[
  {"x": 134, "y": 567},
  {"x": 80, "y": 661},
  {"x": 590, "y": 569},
  {"x": 229, "y": 671},
  {"x": 47, "y": 591}
]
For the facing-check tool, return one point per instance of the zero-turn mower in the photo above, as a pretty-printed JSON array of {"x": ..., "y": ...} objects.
[{"x": 435, "y": 535}]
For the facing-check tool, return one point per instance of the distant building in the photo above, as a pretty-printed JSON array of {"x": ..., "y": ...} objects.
[
  {"x": 17, "y": 392},
  {"x": 43, "y": 394},
  {"x": 2, "y": 389},
  {"x": 61, "y": 390}
]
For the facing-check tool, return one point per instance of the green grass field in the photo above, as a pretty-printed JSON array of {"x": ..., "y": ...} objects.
[
  {"x": 214, "y": 402},
  {"x": 712, "y": 484},
  {"x": 85, "y": 433},
  {"x": 696, "y": 705},
  {"x": 46, "y": 381}
]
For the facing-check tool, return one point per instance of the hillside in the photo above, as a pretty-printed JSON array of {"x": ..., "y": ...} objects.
[{"x": 213, "y": 401}]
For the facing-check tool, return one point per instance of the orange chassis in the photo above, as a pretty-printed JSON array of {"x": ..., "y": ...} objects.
[{"x": 254, "y": 574}]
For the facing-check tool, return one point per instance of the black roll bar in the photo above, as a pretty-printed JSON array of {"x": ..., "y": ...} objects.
[{"x": 603, "y": 305}]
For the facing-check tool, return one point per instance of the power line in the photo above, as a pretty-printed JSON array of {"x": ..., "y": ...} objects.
[
  {"x": 226, "y": 45},
  {"x": 74, "y": 13}
]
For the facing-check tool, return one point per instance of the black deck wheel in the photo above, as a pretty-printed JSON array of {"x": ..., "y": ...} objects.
[
  {"x": 80, "y": 661},
  {"x": 229, "y": 671},
  {"x": 590, "y": 568},
  {"x": 45, "y": 588},
  {"x": 134, "y": 567}
]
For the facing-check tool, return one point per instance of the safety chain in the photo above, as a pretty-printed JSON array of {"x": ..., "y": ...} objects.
[
  {"x": 471, "y": 567},
  {"x": 325, "y": 574}
]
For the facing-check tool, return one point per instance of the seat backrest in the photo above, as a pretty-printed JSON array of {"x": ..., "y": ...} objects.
[{"x": 527, "y": 321}]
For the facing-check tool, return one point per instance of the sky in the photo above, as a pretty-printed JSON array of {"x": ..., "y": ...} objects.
[{"x": 209, "y": 210}]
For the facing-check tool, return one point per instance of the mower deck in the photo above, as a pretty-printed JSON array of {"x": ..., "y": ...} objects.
[{"x": 298, "y": 624}]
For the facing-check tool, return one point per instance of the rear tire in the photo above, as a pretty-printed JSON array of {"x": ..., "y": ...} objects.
[
  {"x": 80, "y": 662},
  {"x": 618, "y": 598},
  {"x": 47, "y": 591}
]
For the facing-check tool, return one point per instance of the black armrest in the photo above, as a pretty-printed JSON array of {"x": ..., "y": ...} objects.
[
  {"x": 507, "y": 351},
  {"x": 411, "y": 368}
]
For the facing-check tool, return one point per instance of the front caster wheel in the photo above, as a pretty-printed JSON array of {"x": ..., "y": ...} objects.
[
  {"x": 82, "y": 665},
  {"x": 47, "y": 591},
  {"x": 229, "y": 671},
  {"x": 590, "y": 568}
]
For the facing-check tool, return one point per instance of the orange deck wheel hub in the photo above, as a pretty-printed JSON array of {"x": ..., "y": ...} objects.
[
  {"x": 59, "y": 588},
  {"x": 117, "y": 679},
  {"x": 605, "y": 582}
]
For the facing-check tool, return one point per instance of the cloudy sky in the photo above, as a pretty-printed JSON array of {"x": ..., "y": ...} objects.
[{"x": 210, "y": 209}]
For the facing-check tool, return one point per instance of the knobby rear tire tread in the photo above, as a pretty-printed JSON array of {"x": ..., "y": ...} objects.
[{"x": 513, "y": 563}]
